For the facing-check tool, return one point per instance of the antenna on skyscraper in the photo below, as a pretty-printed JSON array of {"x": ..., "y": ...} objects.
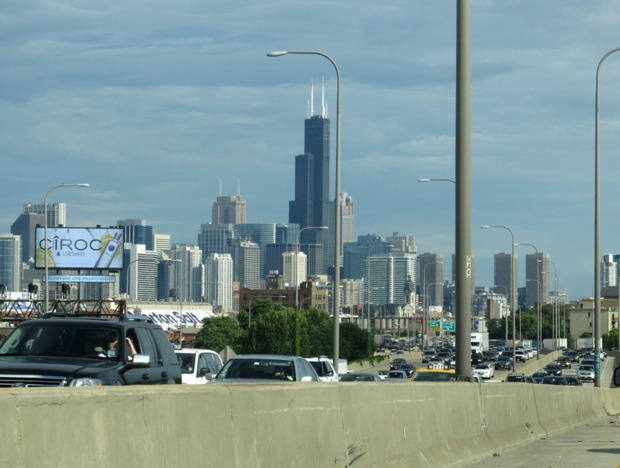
[
  {"x": 323, "y": 107},
  {"x": 220, "y": 187},
  {"x": 311, "y": 98},
  {"x": 238, "y": 187}
]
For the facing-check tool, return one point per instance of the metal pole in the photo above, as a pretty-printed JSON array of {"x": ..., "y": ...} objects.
[
  {"x": 537, "y": 299},
  {"x": 463, "y": 192},
  {"x": 512, "y": 290},
  {"x": 597, "y": 224},
  {"x": 337, "y": 236}
]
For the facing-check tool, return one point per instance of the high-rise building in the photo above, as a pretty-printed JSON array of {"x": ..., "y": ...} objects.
[
  {"x": 388, "y": 277},
  {"x": 430, "y": 277},
  {"x": 215, "y": 238},
  {"x": 136, "y": 231},
  {"x": 347, "y": 216},
  {"x": 228, "y": 209},
  {"x": 219, "y": 279},
  {"x": 502, "y": 277},
  {"x": 311, "y": 204},
  {"x": 56, "y": 212},
  {"x": 24, "y": 226},
  {"x": 161, "y": 242},
  {"x": 356, "y": 253},
  {"x": 246, "y": 263},
  {"x": 188, "y": 275},
  {"x": 537, "y": 275},
  {"x": 402, "y": 243},
  {"x": 10, "y": 265},
  {"x": 609, "y": 271},
  {"x": 295, "y": 269},
  {"x": 141, "y": 273}
]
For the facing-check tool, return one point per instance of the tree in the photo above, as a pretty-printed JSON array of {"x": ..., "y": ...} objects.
[
  {"x": 355, "y": 343},
  {"x": 218, "y": 332}
]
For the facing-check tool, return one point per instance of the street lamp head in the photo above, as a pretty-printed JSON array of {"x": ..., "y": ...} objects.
[
  {"x": 276, "y": 53},
  {"x": 424, "y": 180}
]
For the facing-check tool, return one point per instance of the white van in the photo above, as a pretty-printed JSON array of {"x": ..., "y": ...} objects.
[{"x": 197, "y": 363}]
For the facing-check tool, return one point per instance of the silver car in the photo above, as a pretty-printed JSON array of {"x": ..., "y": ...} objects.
[{"x": 245, "y": 368}]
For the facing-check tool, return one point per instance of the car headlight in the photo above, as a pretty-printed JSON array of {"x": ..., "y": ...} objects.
[{"x": 86, "y": 382}]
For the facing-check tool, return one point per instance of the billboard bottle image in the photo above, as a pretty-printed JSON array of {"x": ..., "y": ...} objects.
[{"x": 109, "y": 252}]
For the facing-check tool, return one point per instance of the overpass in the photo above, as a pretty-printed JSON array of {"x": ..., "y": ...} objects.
[{"x": 289, "y": 425}]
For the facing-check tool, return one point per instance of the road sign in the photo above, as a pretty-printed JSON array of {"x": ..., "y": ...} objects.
[
  {"x": 449, "y": 326},
  {"x": 435, "y": 325}
]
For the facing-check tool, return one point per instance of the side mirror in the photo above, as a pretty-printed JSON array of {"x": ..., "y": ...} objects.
[
  {"x": 617, "y": 377},
  {"x": 139, "y": 361},
  {"x": 203, "y": 371}
]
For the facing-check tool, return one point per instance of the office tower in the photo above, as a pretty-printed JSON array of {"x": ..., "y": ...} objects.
[
  {"x": 286, "y": 233},
  {"x": 228, "y": 209},
  {"x": 388, "y": 276},
  {"x": 502, "y": 277},
  {"x": 215, "y": 238},
  {"x": 10, "y": 254},
  {"x": 311, "y": 204},
  {"x": 219, "y": 279},
  {"x": 273, "y": 256},
  {"x": 24, "y": 226},
  {"x": 187, "y": 272},
  {"x": 246, "y": 264},
  {"x": 430, "y": 271},
  {"x": 295, "y": 270},
  {"x": 161, "y": 242},
  {"x": 352, "y": 293},
  {"x": 537, "y": 275},
  {"x": 402, "y": 243},
  {"x": 136, "y": 231},
  {"x": 347, "y": 216},
  {"x": 56, "y": 212},
  {"x": 356, "y": 253},
  {"x": 141, "y": 274},
  {"x": 609, "y": 271},
  {"x": 165, "y": 276}
]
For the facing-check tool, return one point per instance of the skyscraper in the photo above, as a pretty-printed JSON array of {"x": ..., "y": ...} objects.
[
  {"x": 56, "y": 212},
  {"x": 502, "y": 276},
  {"x": 136, "y": 231},
  {"x": 430, "y": 271},
  {"x": 228, "y": 209},
  {"x": 537, "y": 264},
  {"x": 347, "y": 214},
  {"x": 10, "y": 271},
  {"x": 219, "y": 277},
  {"x": 24, "y": 226},
  {"x": 311, "y": 206},
  {"x": 246, "y": 263}
]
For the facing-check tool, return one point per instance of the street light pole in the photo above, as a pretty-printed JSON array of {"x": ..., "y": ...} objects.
[
  {"x": 425, "y": 305},
  {"x": 538, "y": 297},
  {"x": 506, "y": 320},
  {"x": 512, "y": 290},
  {"x": 597, "y": 229},
  {"x": 337, "y": 236},
  {"x": 297, "y": 259},
  {"x": 46, "y": 246}
]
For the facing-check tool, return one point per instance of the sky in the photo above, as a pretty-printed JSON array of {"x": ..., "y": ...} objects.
[{"x": 161, "y": 106}]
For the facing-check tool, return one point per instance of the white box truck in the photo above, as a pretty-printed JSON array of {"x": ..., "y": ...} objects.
[{"x": 479, "y": 342}]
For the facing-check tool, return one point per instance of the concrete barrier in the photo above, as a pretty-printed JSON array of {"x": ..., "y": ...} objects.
[{"x": 301, "y": 425}]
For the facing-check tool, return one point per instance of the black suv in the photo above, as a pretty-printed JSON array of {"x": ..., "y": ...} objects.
[{"x": 72, "y": 351}]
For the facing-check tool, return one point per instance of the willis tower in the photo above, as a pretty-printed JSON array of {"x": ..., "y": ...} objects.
[{"x": 312, "y": 206}]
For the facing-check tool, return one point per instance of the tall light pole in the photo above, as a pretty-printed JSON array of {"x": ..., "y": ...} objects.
[
  {"x": 597, "y": 229},
  {"x": 556, "y": 305},
  {"x": 337, "y": 199},
  {"x": 512, "y": 289},
  {"x": 319, "y": 228},
  {"x": 425, "y": 305},
  {"x": 538, "y": 322},
  {"x": 506, "y": 320},
  {"x": 538, "y": 294},
  {"x": 46, "y": 241}
]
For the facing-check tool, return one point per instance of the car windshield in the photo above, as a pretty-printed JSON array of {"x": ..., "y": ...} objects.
[
  {"x": 257, "y": 368},
  {"x": 70, "y": 340}
]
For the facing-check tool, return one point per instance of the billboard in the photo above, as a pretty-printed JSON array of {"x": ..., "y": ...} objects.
[{"x": 80, "y": 248}]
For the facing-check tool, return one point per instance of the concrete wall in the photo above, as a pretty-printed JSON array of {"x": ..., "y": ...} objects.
[{"x": 302, "y": 425}]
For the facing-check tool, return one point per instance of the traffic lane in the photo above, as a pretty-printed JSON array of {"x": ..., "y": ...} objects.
[{"x": 594, "y": 445}]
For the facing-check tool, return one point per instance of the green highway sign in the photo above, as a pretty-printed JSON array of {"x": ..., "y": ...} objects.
[
  {"x": 435, "y": 325},
  {"x": 449, "y": 326}
]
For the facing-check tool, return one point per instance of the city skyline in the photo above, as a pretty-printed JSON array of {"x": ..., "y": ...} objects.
[{"x": 157, "y": 108}]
